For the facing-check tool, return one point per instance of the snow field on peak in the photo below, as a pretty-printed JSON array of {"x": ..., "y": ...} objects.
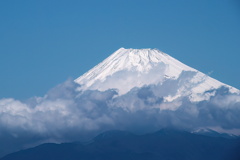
[
  {"x": 141, "y": 61},
  {"x": 129, "y": 68}
]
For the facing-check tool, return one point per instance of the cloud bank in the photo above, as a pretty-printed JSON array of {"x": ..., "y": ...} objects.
[{"x": 65, "y": 114}]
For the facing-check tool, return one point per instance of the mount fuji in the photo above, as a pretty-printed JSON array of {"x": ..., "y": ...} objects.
[
  {"x": 127, "y": 69},
  {"x": 136, "y": 90}
]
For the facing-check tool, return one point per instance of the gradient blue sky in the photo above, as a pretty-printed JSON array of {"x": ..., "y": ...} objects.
[{"x": 44, "y": 42}]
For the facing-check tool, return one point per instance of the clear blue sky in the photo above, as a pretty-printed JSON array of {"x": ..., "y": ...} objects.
[{"x": 44, "y": 42}]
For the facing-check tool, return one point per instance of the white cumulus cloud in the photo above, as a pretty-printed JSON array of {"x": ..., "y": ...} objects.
[{"x": 65, "y": 114}]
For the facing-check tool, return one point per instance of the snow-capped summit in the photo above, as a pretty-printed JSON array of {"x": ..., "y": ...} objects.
[{"x": 129, "y": 68}]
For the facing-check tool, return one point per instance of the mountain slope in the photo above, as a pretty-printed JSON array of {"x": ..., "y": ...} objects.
[
  {"x": 164, "y": 144},
  {"x": 129, "y": 68}
]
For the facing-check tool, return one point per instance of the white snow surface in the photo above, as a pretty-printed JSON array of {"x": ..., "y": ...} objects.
[{"x": 126, "y": 69}]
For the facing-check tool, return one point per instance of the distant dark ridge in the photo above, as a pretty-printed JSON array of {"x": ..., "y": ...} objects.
[{"x": 166, "y": 144}]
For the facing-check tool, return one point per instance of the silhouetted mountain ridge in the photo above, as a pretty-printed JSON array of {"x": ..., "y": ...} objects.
[{"x": 166, "y": 144}]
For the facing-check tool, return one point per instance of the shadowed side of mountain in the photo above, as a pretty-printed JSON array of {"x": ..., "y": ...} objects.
[{"x": 165, "y": 144}]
